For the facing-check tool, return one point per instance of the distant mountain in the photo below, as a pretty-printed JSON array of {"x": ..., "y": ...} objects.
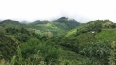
[
  {"x": 69, "y": 23},
  {"x": 10, "y": 23},
  {"x": 56, "y": 27}
]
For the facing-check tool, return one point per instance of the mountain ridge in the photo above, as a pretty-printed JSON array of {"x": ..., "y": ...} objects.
[{"x": 55, "y": 27}]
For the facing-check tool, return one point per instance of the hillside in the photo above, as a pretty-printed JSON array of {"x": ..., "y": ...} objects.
[
  {"x": 10, "y": 23},
  {"x": 95, "y": 26},
  {"x": 93, "y": 31},
  {"x": 60, "y": 42},
  {"x": 56, "y": 27}
]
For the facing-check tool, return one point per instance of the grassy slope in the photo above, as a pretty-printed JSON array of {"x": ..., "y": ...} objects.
[
  {"x": 71, "y": 32},
  {"x": 107, "y": 34}
]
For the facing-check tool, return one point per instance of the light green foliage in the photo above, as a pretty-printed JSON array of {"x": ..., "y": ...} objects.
[
  {"x": 71, "y": 32},
  {"x": 107, "y": 34}
]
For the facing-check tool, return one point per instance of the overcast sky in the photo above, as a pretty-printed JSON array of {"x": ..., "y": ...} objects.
[{"x": 80, "y": 10}]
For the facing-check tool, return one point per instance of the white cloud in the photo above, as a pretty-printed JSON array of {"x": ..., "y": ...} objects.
[{"x": 81, "y": 10}]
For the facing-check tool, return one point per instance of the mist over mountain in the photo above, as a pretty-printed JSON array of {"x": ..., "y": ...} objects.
[{"x": 80, "y": 10}]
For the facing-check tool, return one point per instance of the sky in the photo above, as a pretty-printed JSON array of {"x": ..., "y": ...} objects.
[{"x": 80, "y": 10}]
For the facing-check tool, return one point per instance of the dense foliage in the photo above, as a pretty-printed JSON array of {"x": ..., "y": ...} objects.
[{"x": 60, "y": 42}]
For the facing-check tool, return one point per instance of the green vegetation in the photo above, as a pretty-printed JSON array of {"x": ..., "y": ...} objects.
[{"x": 60, "y": 42}]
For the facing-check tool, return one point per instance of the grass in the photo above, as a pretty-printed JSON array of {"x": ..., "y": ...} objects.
[
  {"x": 107, "y": 34},
  {"x": 71, "y": 32}
]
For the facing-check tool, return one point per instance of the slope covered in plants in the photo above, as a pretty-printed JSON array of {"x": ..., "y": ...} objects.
[{"x": 61, "y": 42}]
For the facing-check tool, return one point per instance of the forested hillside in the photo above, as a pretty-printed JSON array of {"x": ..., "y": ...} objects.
[
  {"x": 50, "y": 28},
  {"x": 60, "y": 42}
]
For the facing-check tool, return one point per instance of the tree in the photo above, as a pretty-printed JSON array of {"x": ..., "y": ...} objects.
[{"x": 99, "y": 50}]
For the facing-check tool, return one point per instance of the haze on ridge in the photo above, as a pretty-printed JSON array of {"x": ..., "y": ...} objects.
[{"x": 80, "y": 10}]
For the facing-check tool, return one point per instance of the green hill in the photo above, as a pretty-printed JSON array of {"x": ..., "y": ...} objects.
[
  {"x": 10, "y": 23},
  {"x": 60, "y": 42},
  {"x": 56, "y": 27},
  {"x": 103, "y": 30},
  {"x": 95, "y": 26}
]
